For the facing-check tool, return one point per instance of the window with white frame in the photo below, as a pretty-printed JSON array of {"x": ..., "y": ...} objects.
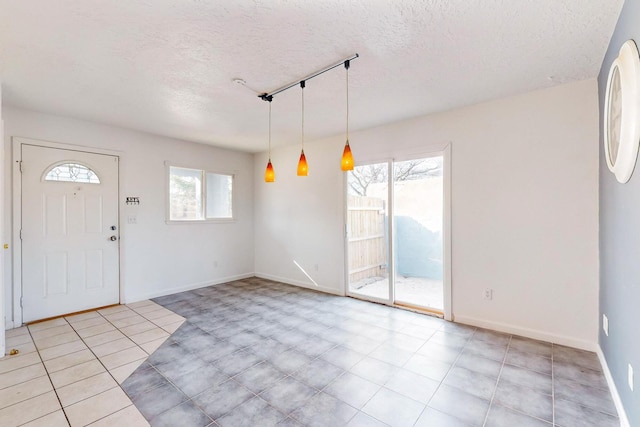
[{"x": 199, "y": 195}]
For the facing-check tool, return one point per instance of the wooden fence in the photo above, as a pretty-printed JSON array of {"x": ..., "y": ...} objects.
[{"x": 367, "y": 238}]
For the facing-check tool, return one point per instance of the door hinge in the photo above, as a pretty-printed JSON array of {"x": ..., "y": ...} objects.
[
  {"x": 21, "y": 234},
  {"x": 20, "y": 166},
  {"x": 21, "y": 302}
]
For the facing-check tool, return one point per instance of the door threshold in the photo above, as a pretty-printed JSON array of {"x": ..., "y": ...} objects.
[
  {"x": 403, "y": 306},
  {"x": 418, "y": 309},
  {"x": 70, "y": 314}
]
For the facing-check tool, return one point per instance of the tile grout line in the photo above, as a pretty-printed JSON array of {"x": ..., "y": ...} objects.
[
  {"x": 118, "y": 385},
  {"x": 495, "y": 390},
  {"x": 75, "y": 331},
  {"x": 426, "y": 406},
  {"x": 553, "y": 387},
  {"x": 107, "y": 370},
  {"x": 49, "y": 376}
]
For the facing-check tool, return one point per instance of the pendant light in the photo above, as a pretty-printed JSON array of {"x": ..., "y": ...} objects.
[
  {"x": 303, "y": 168},
  {"x": 346, "y": 163},
  {"x": 347, "y": 158},
  {"x": 269, "y": 173}
]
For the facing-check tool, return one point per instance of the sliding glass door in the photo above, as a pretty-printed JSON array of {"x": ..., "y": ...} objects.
[
  {"x": 395, "y": 223},
  {"x": 368, "y": 232},
  {"x": 417, "y": 239}
]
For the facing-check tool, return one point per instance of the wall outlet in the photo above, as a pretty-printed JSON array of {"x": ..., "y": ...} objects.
[
  {"x": 630, "y": 377},
  {"x": 605, "y": 324},
  {"x": 488, "y": 294},
  {"x": 132, "y": 219}
]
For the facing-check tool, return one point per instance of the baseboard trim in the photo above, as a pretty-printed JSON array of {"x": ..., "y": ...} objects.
[
  {"x": 526, "y": 332},
  {"x": 128, "y": 299},
  {"x": 624, "y": 421},
  {"x": 298, "y": 283}
]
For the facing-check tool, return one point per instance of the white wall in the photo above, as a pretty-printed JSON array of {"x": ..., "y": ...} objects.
[
  {"x": 156, "y": 258},
  {"x": 2, "y": 238},
  {"x": 524, "y": 209}
]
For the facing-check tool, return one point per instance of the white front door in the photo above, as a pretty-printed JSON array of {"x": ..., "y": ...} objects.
[{"x": 70, "y": 249}]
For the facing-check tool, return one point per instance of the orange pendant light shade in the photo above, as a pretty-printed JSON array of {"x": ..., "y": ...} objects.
[
  {"x": 303, "y": 168},
  {"x": 346, "y": 164},
  {"x": 347, "y": 158},
  {"x": 269, "y": 173}
]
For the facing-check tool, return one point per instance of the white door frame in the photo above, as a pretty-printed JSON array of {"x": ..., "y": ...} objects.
[
  {"x": 429, "y": 151},
  {"x": 17, "y": 143}
]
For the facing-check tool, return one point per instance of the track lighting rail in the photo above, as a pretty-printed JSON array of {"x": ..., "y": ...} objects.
[{"x": 268, "y": 96}]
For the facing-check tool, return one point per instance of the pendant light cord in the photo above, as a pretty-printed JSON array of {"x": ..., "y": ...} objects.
[
  {"x": 302, "y": 85},
  {"x": 346, "y": 65},
  {"x": 269, "y": 129}
]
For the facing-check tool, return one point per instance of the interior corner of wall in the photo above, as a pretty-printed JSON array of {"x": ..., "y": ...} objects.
[{"x": 624, "y": 420}]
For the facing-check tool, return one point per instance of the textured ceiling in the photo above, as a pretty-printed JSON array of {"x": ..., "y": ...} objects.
[{"x": 166, "y": 67}]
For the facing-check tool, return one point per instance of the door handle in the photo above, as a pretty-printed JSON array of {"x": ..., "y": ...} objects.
[{"x": 113, "y": 238}]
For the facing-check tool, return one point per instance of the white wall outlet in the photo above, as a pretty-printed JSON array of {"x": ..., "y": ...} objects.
[
  {"x": 132, "y": 219},
  {"x": 630, "y": 377},
  {"x": 605, "y": 324},
  {"x": 488, "y": 294}
]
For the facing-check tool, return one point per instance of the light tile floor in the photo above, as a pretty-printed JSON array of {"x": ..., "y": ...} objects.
[
  {"x": 68, "y": 370},
  {"x": 260, "y": 353}
]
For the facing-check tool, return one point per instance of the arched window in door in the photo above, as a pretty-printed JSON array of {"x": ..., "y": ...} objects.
[{"x": 72, "y": 172}]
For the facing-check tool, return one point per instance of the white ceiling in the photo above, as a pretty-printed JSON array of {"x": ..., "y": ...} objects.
[{"x": 166, "y": 67}]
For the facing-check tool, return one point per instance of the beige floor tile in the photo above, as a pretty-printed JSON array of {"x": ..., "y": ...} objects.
[
  {"x": 129, "y": 416},
  {"x": 97, "y": 407},
  {"x": 120, "y": 315},
  {"x": 25, "y": 348},
  {"x": 68, "y": 360},
  {"x": 17, "y": 340},
  {"x": 128, "y": 321},
  {"x": 51, "y": 332},
  {"x": 54, "y": 419},
  {"x": 16, "y": 331},
  {"x": 10, "y": 363},
  {"x": 76, "y": 373},
  {"x": 29, "y": 410},
  {"x": 122, "y": 373},
  {"x": 96, "y": 330},
  {"x": 139, "y": 304},
  {"x": 149, "y": 335},
  {"x": 82, "y": 317},
  {"x": 170, "y": 318},
  {"x": 112, "y": 347},
  {"x": 157, "y": 313},
  {"x": 60, "y": 321},
  {"x": 62, "y": 349},
  {"x": 86, "y": 388},
  {"x": 172, "y": 327},
  {"x": 138, "y": 328},
  {"x": 123, "y": 357},
  {"x": 94, "y": 321},
  {"x": 103, "y": 338},
  {"x": 21, "y": 375},
  {"x": 47, "y": 342},
  {"x": 113, "y": 309},
  {"x": 23, "y": 391},
  {"x": 147, "y": 308},
  {"x": 152, "y": 346}
]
